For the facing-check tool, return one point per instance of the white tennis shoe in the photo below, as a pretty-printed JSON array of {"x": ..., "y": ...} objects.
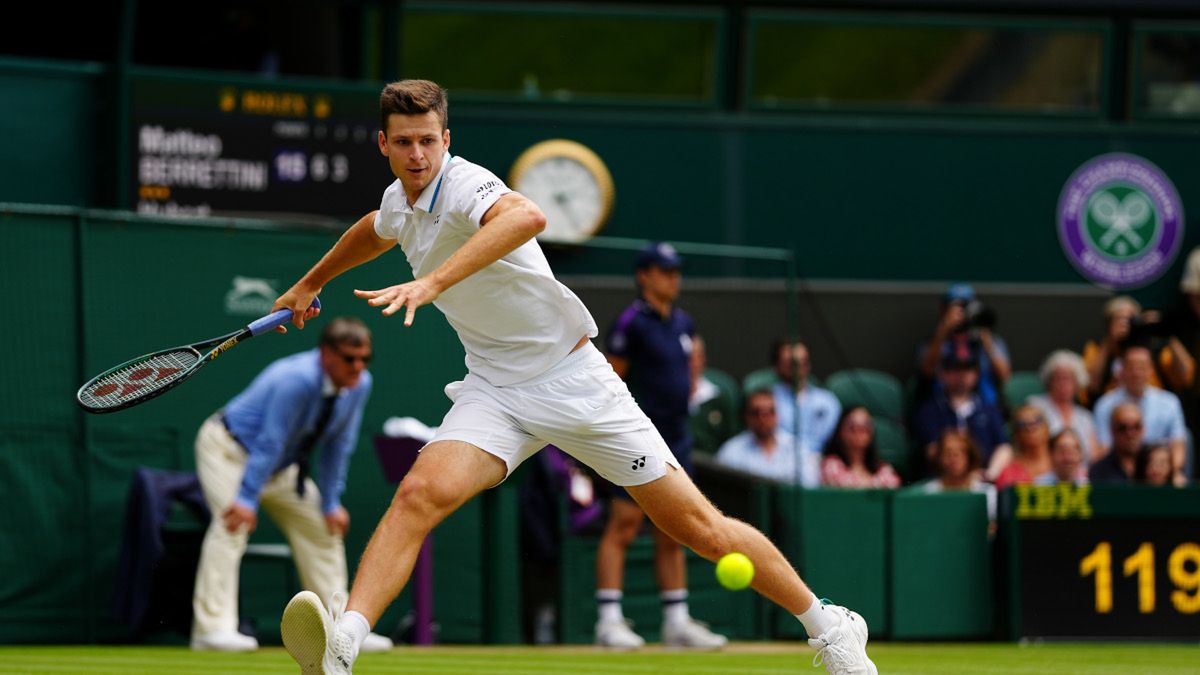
[
  {"x": 691, "y": 634},
  {"x": 617, "y": 635},
  {"x": 311, "y": 636},
  {"x": 843, "y": 648}
]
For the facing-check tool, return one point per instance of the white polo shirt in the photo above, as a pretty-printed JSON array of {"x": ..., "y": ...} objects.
[{"x": 514, "y": 318}]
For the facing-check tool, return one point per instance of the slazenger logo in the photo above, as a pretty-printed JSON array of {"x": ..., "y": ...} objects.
[
  {"x": 250, "y": 296},
  {"x": 1120, "y": 220}
]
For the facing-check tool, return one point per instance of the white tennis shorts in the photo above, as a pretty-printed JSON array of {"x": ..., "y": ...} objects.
[{"x": 579, "y": 405}]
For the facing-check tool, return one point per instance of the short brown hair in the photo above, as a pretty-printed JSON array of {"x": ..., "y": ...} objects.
[
  {"x": 345, "y": 330},
  {"x": 412, "y": 97}
]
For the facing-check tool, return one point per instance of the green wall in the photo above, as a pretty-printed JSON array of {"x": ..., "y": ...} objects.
[{"x": 88, "y": 290}]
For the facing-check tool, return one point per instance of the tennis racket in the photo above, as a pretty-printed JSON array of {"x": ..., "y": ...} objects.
[{"x": 150, "y": 375}]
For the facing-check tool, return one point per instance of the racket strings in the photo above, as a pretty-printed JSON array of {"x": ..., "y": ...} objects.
[{"x": 138, "y": 379}]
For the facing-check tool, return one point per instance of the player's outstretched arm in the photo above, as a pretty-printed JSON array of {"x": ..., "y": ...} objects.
[
  {"x": 357, "y": 245},
  {"x": 512, "y": 221}
]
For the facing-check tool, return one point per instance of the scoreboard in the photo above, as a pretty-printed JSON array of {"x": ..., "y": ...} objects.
[
  {"x": 1109, "y": 562},
  {"x": 207, "y": 146}
]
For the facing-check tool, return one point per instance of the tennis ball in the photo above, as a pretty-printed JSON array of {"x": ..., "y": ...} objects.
[{"x": 735, "y": 571}]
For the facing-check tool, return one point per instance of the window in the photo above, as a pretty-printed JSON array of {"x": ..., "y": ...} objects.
[
  {"x": 925, "y": 63},
  {"x": 544, "y": 54}
]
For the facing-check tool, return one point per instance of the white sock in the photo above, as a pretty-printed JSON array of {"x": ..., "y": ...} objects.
[
  {"x": 675, "y": 606},
  {"x": 608, "y": 603},
  {"x": 356, "y": 626},
  {"x": 817, "y": 619}
]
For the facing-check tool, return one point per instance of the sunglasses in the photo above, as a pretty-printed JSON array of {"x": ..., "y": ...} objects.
[
  {"x": 1030, "y": 423},
  {"x": 761, "y": 412},
  {"x": 1127, "y": 426},
  {"x": 349, "y": 359}
]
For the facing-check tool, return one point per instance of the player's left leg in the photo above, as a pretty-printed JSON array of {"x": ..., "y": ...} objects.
[
  {"x": 320, "y": 553},
  {"x": 678, "y": 508},
  {"x": 445, "y": 475}
]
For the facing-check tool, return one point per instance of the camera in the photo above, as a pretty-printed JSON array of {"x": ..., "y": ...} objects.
[
  {"x": 1143, "y": 333},
  {"x": 977, "y": 315}
]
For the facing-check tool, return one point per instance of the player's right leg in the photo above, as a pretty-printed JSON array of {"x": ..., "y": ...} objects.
[
  {"x": 678, "y": 508},
  {"x": 446, "y": 474}
]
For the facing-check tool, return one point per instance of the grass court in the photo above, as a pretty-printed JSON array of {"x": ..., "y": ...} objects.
[{"x": 740, "y": 659}]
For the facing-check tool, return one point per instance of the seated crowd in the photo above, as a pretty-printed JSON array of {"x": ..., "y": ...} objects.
[{"x": 1118, "y": 413}]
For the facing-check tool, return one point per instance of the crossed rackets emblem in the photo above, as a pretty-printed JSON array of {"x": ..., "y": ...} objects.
[{"x": 1120, "y": 219}]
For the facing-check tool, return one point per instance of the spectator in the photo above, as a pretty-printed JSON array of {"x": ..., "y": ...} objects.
[
  {"x": 1065, "y": 380},
  {"x": 1153, "y": 466},
  {"x": 851, "y": 457},
  {"x": 957, "y": 464},
  {"x": 1126, "y": 429},
  {"x": 1184, "y": 324},
  {"x": 1032, "y": 460},
  {"x": 958, "y": 406},
  {"x": 1162, "y": 414},
  {"x": 1066, "y": 460},
  {"x": 806, "y": 411},
  {"x": 256, "y": 452},
  {"x": 1125, "y": 323},
  {"x": 964, "y": 330},
  {"x": 649, "y": 346},
  {"x": 712, "y": 405},
  {"x": 764, "y": 449}
]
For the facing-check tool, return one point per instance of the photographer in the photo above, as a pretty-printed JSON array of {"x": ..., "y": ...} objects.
[
  {"x": 1126, "y": 324},
  {"x": 964, "y": 328}
]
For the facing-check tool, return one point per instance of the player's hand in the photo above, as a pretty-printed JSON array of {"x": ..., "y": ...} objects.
[
  {"x": 238, "y": 516},
  {"x": 409, "y": 296},
  {"x": 298, "y": 300},
  {"x": 337, "y": 521}
]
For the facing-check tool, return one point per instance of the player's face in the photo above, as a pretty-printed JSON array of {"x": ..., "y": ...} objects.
[
  {"x": 345, "y": 363},
  {"x": 414, "y": 146}
]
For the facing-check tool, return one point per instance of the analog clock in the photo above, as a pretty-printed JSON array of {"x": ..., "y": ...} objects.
[{"x": 570, "y": 183}]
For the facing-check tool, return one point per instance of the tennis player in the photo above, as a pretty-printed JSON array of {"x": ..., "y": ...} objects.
[{"x": 533, "y": 378}]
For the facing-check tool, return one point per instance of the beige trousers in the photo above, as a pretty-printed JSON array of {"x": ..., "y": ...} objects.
[{"x": 320, "y": 556}]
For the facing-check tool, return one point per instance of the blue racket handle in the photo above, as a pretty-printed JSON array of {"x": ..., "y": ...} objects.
[{"x": 275, "y": 319}]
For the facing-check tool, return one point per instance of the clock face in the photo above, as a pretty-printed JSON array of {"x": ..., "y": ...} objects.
[{"x": 571, "y": 186}]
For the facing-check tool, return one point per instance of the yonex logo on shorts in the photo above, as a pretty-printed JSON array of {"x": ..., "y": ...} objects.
[
  {"x": 1120, "y": 220},
  {"x": 639, "y": 463}
]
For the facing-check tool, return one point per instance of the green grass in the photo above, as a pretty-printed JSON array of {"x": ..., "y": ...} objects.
[{"x": 742, "y": 659}]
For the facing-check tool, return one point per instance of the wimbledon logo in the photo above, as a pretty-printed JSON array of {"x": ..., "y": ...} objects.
[{"x": 1120, "y": 220}]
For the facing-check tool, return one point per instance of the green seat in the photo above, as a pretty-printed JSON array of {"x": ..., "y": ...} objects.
[
  {"x": 763, "y": 378},
  {"x": 717, "y": 419},
  {"x": 893, "y": 445},
  {"x": 1022, "y": 385},
  {"x": 877, "y": 391}
]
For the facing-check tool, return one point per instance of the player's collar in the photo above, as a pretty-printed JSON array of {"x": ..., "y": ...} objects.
[{"x": 429, "y": 195}]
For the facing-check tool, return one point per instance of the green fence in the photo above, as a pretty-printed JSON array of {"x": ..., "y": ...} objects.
[{"x": 89, "y": 289}]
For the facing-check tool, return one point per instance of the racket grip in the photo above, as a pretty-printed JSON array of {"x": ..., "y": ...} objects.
[{"x": 275, "y": 319}]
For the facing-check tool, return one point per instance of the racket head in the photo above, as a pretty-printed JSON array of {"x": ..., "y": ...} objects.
[{"x": 138, "y": 380}]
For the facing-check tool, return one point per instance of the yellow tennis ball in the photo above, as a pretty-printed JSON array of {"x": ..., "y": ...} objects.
[{"x": 735, "y": 571}]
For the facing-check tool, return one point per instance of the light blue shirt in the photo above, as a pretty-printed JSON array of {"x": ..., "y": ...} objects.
[
  {"x": 742, "y": 452},
  {"x": 1162, "y": 415},
  {"x": 819, "y": 412},
  {"x": 273, "y": 415}
]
